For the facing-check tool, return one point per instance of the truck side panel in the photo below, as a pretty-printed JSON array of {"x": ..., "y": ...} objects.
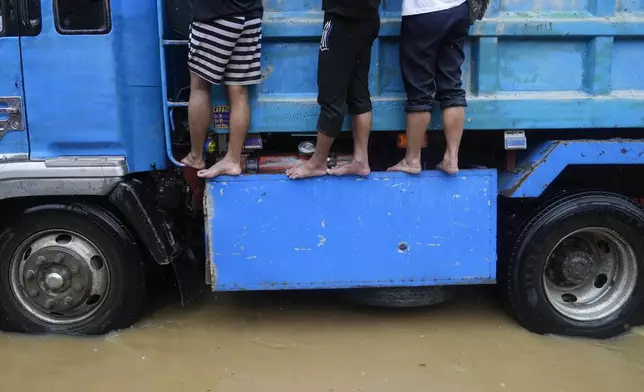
[
  {"x": 529, "y": 65},
  {"x": 270, "y": 233}
]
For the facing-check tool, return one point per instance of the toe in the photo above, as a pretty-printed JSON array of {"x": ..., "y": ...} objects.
[{"x": 208, "y": 173}]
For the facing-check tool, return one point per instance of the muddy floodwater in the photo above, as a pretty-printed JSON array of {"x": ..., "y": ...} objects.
[{"x": 314, "y": 342}]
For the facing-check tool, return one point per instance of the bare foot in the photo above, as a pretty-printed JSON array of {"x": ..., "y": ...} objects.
[
  {"x": 448, "y": 166},
  {"x": 351, "y": 168},
  {"x": 405, "y": 167},
  {"x": 193, "y": 162},
  {"x": 306, "y": 170},
  {"x": 225, "y": 167}
]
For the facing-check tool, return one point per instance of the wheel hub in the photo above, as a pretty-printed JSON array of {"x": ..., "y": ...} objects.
[
  {"x": 577, "y": 266},
  {"x": 590, "y": 274},
  {"x": 50, "y": 273},
  {"x": 59, "y": 278},
  {"x": 54, "y": 281}
]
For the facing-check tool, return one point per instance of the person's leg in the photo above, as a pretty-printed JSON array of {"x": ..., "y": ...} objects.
[
  {"x": 335, "y": 65},
  {"x": 359, "y": 102},
  {"x": 206, "y": 68},
  {"x": 239, "y": 122},
  {"x": 198, "y": 120},
  {"x": 449, "y": 86},
  {"x": 359, "y": 164},
  {"x": 454, "y": 122},
  {"x": 417, "y": 123},
  {"x": 419, "y": 42},
  {"x": 243, "y": 69}
]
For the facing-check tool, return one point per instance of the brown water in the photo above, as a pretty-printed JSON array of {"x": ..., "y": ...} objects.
[{"x": 308, "y": 343}]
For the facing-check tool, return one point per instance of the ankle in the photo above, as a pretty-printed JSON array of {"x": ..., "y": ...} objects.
[
  {"x": 450, "y": 156},
  {"x": 360, "y": 160},
  {"x": 195, "y": 156},
  {"x": 233, "y": 158},
  {"x": 412, "y": 160},
  {"x": 316, "y": 163},
  {"x": 317, "y": 160}
]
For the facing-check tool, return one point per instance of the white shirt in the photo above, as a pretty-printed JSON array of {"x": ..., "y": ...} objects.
[{"x": 415, "y": 7}]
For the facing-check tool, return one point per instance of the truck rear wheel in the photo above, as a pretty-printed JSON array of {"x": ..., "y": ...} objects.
[
  {"x": 577, "y": 267},
  {"x": 69, "y": 269},
  {"x": 401, "y": 297}
]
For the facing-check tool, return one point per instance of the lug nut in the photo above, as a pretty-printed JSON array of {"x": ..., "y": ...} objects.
[
  {"x": 67, "y": 301},
  {"x": 40, "y": 260},
  {"x": 75, "y": 268},
  {"x": 49, "y": 303},
  {"x": 78, "y": 287},
  {"x": 59, "y": 258},
  {"x": 33, "y": 293},
  {"x": 30, "y": 275}
]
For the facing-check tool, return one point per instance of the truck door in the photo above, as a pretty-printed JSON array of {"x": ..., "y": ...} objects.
[{"x": 14, "y": 144}]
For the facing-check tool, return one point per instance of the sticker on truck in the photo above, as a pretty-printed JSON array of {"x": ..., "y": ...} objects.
[{"x": 221, "y": 117}]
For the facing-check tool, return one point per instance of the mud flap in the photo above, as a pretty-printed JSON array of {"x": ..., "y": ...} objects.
[
  {"x": 139, "y": 208},
  {"x": 265, "y": 232},
  {"x": 190, "y": 275}
]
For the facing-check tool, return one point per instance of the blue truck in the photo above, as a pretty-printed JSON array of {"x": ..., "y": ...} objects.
[{"x": 93, "y": 116}]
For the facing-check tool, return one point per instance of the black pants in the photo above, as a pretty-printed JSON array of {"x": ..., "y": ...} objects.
[
  {"x": 343, "y": 70},
  {"x": 431, "y": 56}
]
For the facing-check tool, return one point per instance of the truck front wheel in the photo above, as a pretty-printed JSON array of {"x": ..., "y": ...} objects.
[
  {"x": 69, "y": 268},
  {"x": 577, "y": 268}
]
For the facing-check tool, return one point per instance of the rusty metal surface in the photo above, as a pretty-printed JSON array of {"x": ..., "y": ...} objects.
[{"x": 541, "y": 166}]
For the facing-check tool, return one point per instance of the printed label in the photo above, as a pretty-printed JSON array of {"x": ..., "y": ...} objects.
[{"x": 221, "y": 117}]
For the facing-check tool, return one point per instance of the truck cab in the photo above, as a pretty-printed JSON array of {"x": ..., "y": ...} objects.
[
  {"x": 80, "y": 112},
  {"x": 93, "y": 123}
]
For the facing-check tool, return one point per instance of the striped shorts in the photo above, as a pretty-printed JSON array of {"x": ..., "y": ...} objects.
[{"x": 227, "y": 50}]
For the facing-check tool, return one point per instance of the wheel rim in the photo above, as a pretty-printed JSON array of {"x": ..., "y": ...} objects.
[
  {"x": 59, "y": 277},
  {"x": 590, "y": 274}
]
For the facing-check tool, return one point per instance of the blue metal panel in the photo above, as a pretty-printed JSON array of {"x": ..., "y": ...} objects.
[
  {"x": 268, "y": 232},
  {"x": 97, "y": 95},
  {"x": 570, "y": 59},
  {"x": 540, "y": 166},
  {"x": 14, "y": 142}
]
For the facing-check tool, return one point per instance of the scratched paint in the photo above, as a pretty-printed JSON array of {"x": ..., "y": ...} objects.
[
  {"x": 543, "y": 5},
  {"x": 387, "y": 230},
  {"x": 211, "y": 255},
  {"x": 545, "y": 162},
  {"x": 13, "y": 188}
]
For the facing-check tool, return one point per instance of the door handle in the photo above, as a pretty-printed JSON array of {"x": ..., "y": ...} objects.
[{"x": 13, "y": 120}]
